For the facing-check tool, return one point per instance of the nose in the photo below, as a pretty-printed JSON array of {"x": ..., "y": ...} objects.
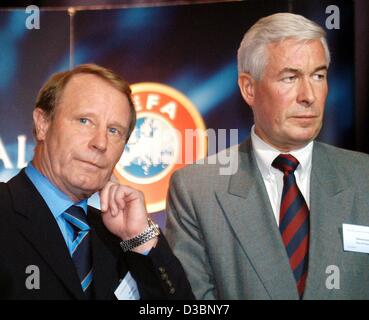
[
  {"x": 306, "y": 94},
  {"x": 99, "y": 140}
]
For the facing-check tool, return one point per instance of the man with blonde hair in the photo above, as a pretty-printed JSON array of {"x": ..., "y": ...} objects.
[
  {"x": 52, "y": 244},
  {"x": 278, "y": 227}
]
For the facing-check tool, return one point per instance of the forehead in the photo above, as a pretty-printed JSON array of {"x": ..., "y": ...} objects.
[
  {"x": 84, "y": 84},
  {"x": 92, "y": 92},
  {"x": 292, "y": 53}
]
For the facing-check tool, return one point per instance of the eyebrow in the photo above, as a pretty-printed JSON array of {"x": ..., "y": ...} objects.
[
  {"x": 299, "y": 71},
  {"x": 321, "y": 68}
]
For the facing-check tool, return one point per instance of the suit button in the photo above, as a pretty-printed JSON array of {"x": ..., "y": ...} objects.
[
  {"x": 169, "y": 283},
  {"x": 164, "y": 276},
  {"x": 172, "y": 290}
]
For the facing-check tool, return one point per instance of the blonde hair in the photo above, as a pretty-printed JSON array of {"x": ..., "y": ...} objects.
[
  {"x": 252, "y": 54},
  {"x": 50, "y": 93}
]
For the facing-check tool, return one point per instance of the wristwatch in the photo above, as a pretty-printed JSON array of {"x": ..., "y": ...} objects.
[{"x": 151, "y": 231}]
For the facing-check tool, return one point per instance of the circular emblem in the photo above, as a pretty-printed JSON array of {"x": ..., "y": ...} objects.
[{"x": 169, "y": 134}]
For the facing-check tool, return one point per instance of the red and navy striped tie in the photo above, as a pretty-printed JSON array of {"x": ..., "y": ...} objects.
[
  {"x": 81, "y": 247},
  {"x": 294, "y": 220}
]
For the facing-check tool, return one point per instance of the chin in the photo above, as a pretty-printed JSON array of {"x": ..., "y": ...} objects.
[
  {"x": 87, "y": 184},
  {"x": 304, "y": 134},
  {"x": 300, "y": 143}
]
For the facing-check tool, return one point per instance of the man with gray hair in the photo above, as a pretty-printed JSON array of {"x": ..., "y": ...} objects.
[{"x": 288, "y": 223}]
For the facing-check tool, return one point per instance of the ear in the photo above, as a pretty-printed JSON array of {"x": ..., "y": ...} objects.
[
  {"x": 42, "y": 122},
  {"x": 247, "y": 87}
]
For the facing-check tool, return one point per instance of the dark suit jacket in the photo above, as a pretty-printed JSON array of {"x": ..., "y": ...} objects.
[{"x": 30, "y": 236}]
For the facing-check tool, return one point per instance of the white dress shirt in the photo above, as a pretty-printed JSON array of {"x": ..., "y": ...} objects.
[{"x": 273, "y": 178}]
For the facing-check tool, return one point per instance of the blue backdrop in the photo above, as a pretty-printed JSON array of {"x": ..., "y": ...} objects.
[{"x": 191, "y": 48}]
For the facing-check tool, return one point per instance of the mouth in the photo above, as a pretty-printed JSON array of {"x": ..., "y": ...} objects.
[
  {"x": 305, "y": 121},
  {"x": 305, "y": 117},
  {"x": 91, "y": 164}
]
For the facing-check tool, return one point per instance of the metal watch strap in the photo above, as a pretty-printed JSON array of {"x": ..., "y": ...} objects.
[{"x": 151, "y": 232}]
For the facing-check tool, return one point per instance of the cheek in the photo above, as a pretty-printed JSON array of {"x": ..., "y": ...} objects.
[
  {"x": 322, "y": 97},
  {"x": 55, "y": 147},
  {"x": 116, "y": 151},
  {"x": 64, "y": 150},
  {"x": 274, "y": 113},
  {"x": 276, "y": 101},
  {"x": 284, "y": 97},
  {"x": 284, "y": 103}
]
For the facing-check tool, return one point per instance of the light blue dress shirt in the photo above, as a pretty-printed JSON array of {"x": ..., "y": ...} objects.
[{"x": 56, "y": 200}]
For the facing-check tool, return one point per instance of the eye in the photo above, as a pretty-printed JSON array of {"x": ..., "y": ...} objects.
[
  {"x": 289, "y": 79},
  {"x": 318, "y": 76},
  {"x": 83, "y": 120},
  {"x": 114, "y": 131}
]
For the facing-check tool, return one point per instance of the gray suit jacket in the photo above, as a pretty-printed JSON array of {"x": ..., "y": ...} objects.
[{"x": 223, "y": 230}]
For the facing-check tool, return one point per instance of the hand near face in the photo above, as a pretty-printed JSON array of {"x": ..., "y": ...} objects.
[{"x": 124, "y": 213}]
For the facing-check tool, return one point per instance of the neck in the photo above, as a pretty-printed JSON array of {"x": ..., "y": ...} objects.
[{"x": 283, "y": 148}]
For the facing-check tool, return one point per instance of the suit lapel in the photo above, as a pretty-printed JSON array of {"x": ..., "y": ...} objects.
[
  {"x": 38, "y": 226},
  {"x": 248, "y": 211},
  {"x": 331, "y": 200}
]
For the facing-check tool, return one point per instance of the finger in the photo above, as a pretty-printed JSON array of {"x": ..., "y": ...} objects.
[
  {"x": 113, "y": 206},
  {"x": 104, "y": 196},
  {"x": 130, "y": 194},
  {"x": 120, "y": 211},
  {"x": 120, "y": 198}
]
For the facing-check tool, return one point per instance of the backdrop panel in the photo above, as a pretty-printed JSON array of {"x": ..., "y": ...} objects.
[
  {"x": 27, "y": 58},
  {"x": 188, "y": 51}
]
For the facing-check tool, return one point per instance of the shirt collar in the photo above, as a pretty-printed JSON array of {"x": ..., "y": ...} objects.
[
  {"x": 56, "y": 200},
  {"x": 265, "y": 154}
]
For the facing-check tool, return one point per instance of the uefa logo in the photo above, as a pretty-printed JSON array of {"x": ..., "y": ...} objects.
[{"x": 169, "y": 134}]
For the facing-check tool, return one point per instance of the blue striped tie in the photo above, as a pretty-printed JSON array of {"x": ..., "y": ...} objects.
[
  {"x": 81, "y": 250},
  {"x": 294, "y": 220}
]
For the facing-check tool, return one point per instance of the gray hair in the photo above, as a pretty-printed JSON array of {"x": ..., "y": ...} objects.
[{"x": 252, "y": 54}]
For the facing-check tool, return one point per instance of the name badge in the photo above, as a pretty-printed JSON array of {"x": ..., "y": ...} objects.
[
  {"x": 355, "y": 238},
  {"x": 127, "y": 289}
]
